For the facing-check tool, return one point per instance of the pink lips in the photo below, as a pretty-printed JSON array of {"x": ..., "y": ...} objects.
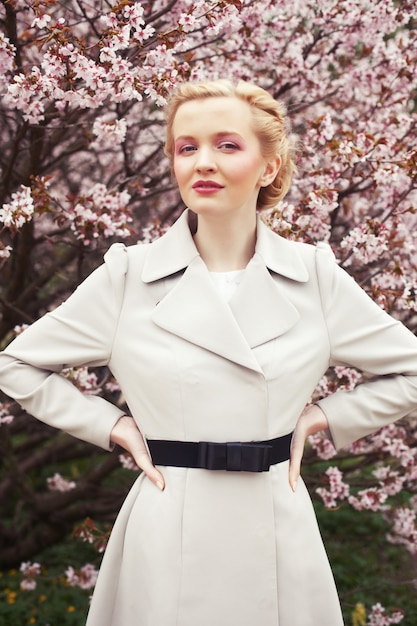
[{"x": 206, "y": 186}]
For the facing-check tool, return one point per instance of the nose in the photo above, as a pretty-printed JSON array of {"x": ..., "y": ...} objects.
[{"x": 205, "y": 160}]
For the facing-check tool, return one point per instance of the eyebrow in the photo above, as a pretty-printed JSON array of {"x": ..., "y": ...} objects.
[{"x": 226, "y": 133}]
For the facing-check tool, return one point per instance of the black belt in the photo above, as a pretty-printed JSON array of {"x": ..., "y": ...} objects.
[{"x": 252, "y": 456}]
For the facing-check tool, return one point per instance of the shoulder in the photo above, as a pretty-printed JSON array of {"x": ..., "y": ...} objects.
[
  {"x": 119, "y": 258},
  {"x": 122, "y": 265},
  {"x": 293, "y": 259}
]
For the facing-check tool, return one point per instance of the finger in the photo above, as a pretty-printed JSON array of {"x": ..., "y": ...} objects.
[
  {"x": 297, "y": 450},
  {"x": 154, "y": 475},
  {"x": 293, "y": 474}
]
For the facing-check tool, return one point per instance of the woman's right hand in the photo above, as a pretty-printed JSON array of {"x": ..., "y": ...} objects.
[
  {"x": 126, "y": 434},
  {"x": 312, "y": 420}
]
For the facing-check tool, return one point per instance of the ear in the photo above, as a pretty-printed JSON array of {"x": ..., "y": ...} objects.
[{"x": 270, "y": 171}]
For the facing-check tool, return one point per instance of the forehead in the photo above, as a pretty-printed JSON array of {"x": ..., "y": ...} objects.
[{"x": 213, "y": 115}]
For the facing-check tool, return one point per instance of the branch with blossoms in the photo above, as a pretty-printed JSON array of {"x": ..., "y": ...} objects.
[
  {"x": 390, "y": 459},
  {"x": 84, "y": 577}
]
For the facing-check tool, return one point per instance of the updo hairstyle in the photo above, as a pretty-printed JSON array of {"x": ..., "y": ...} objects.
[{"x": 270, "y": 124}]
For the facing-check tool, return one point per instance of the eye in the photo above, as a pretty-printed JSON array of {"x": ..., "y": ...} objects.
[
  {"x": 229, "y": 146},
  {"x": 186, "y": 148}
]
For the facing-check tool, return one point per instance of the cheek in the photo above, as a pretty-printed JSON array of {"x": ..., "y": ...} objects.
[
  {"x": 180, "y": 171},
  {"x": 247, "y": 169}
]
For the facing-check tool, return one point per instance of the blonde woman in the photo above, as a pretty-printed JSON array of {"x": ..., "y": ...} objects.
[{"x": 218, "y": 333}]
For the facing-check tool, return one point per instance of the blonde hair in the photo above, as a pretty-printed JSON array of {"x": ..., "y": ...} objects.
[{"x": 270, "y": 123}]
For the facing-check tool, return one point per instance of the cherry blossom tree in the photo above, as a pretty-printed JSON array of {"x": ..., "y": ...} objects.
[{"x": 82, "y": 85}]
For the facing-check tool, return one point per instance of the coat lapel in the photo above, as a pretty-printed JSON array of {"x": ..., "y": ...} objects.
[
  {"x": 260, "y": 307},
  {"x": 194, "y": 310}
]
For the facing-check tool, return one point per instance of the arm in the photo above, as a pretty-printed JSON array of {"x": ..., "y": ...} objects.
[
  {"x": 363, "y": 336},
  {"x": 78, "y": 333}
]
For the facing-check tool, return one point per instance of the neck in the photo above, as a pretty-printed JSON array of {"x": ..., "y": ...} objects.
[{"x": 225, "y": 245}]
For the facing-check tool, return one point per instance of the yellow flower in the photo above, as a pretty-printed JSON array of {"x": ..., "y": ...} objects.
[
  {"x": 71, "y": 609},
  {"x": 11, "y": 596},
  {"x": 359, "y": 615},
  {"x": 42, "y": 598},
  {"x": 32, "y": 621}
]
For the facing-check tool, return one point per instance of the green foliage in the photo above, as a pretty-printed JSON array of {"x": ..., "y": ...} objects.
[
  {"x": 367, "y": 569},
  {"x": 53, "y": 601}
]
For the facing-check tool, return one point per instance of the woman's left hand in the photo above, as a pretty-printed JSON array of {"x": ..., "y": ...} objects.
[
  {"x": 311, "y": 421},
  {"x": 126, "y": 433}
]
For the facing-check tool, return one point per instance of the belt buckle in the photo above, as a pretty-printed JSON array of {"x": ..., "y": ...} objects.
[
  {"x": 249, "y": 457},
  {"x": 234, "y": 456}
]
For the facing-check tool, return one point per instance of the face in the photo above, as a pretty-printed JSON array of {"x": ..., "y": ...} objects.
[{"x": 218, "y": 161}]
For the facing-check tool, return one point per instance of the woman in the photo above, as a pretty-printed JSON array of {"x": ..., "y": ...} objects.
[{"x": 218, "y": 332}]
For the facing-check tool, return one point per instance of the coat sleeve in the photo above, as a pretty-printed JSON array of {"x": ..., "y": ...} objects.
[
  {"x": 363, "y": 336},
  {"x": 79, "y": 332}
]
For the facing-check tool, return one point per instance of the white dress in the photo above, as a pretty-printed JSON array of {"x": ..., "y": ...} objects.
[{"x": 226, "y": 282}]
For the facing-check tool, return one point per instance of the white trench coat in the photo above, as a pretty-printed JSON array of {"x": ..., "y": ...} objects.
[{"x": 216, "y": 548}]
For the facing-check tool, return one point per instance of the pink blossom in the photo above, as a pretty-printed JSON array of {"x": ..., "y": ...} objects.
[
  {"x": 188, "y": 22},
  {"x": 404, "y": 529},
  {"x": 379, "y": 617},
  {"x": 323, "y": 200},
  {"x": 20, "y": 210},
  {"x": 339, "y": 490},
  {"x": 348, "y": 376},
  {"x": 399, "y": 449},
  {"x": 325, "y": 129},
  {"x": 26, "y": 94},
  {"x": 134, "y": 14},
  {"x": 390, "y": 480},
  {"x": 28, "y": 584},
  {"x": 100, "y": 212},
  {"x": 30, "y": 571},
  {"x": 112, "y": 386},
  {"x": 109, "y": 132},
  {"x": 364, "y": 246},
  {"x": 127, "y": 462},
  {"x": 85, "y": 533},
  {"x": 152, "y": 231},
  {"x": 7, "y": 52},
  {"x": 371, "y": 499},
  {"x": 323, "y": 446},
  {"x": 85, "y": 577},
  {"x": 20, "y": 329},
  {"x": 5, "y": 251},
  {"x": 59, "y": 483},
  {"x": 5, "y": 417},
  {"x": 41, "y": 21},
  {"x": 82, "y": 378}
]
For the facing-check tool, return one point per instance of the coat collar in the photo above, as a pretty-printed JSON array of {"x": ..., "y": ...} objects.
[
  {"x": 259, "y": 311},
  {"x": 175, "y": 250}
]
